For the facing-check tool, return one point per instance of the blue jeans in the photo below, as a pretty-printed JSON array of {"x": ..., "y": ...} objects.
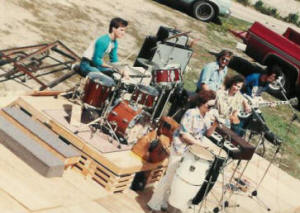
[{"x": 86, "y": 68}]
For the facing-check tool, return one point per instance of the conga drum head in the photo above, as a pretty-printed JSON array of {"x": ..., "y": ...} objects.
[
  {"x": 214, "y": 149},
  {"x": 201, "y": 152},
  {"x": 101, "y": 79}
]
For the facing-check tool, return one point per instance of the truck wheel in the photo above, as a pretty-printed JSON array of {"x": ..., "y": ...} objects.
[
  {"x": 285, "y": 81},
  {"x": 204, "y": 11}
]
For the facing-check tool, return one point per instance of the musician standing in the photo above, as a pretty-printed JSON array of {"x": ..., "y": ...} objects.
[
  {"x": 230, "y": 102},
  {"x": 213, "y": 74},
  {"x": 92, "y": 60},
  {"x": 193, "y": 126}
]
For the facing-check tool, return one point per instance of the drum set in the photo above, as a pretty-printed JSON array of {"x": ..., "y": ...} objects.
[{"x": 126, "y": 109}]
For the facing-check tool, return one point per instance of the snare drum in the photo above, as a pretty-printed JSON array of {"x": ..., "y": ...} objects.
[
  {"x": 189, "y": 176},
  {"x": 167, "y": 77},
  {"x": 129, "y": 122},
  {"x": 145, "y": 95},
  {"x": 97, "y": 89}
]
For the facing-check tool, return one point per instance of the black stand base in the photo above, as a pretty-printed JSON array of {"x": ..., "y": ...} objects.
[
  {"x": 226, "y": 205},
  {"x": 254, "y": 194}
]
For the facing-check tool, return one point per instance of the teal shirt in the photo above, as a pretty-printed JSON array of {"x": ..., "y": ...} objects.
[{"x": 101, "y": 46}]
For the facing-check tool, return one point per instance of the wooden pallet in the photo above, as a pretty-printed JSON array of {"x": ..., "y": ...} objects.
[
  {"x": 155, "y": 175},
  {"x": 103, "y": 176}
]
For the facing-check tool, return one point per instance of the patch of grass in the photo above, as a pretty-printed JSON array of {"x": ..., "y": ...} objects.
[
  {"x": 278, "y": 120},
  {"x": 219, "y": 34}
]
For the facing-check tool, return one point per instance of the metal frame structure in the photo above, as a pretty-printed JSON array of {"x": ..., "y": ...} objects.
[{"x": 29, "y": 60}]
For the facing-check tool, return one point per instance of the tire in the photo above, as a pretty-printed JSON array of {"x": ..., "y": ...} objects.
[
  {"x": 285, "y": 81},
  {"x": 204, "y": 11}
]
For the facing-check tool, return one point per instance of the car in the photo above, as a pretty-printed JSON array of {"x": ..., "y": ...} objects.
[{"x": 207, "y": 10}]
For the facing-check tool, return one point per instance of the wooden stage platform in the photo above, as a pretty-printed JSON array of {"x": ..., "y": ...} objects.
[
  {"x": 112, "y": 167},
  {"x": 103, "y": 178}
]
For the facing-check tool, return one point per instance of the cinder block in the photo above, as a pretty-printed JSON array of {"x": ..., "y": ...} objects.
[
  {"x": 30, "y": 151},
  {"x": 42, "y": 132}
]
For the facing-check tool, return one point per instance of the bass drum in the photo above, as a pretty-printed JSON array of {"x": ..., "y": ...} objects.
[{"x": 129, "y": 122}]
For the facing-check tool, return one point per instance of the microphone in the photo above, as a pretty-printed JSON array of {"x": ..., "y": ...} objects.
[{"x": 272, "y": 138}]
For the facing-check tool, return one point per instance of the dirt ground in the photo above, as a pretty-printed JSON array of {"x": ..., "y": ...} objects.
[{"x": 76, "y": 23}]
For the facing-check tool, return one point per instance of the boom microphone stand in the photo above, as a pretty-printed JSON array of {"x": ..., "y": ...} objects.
[{"x": 276, "y": 141}]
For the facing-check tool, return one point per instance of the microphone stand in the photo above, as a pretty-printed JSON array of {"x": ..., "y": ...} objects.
[
  {"x": 283, "y": 93},
  {"x": 254, "y": 193}
]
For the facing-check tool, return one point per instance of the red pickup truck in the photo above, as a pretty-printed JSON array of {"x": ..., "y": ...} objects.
[{"x": 275, "y": 51}]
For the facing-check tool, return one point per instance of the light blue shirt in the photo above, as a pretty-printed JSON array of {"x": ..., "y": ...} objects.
[{"x": 211, "y": 76}]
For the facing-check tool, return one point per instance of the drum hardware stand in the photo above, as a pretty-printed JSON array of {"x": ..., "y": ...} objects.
[
  {"x": 103, "y": 118},
  {"x": 165, "y": 104},
  {"x": 224, "y": 204}
]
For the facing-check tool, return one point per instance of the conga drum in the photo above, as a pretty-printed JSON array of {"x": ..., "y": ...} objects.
[{"x": 190, "y": 175}]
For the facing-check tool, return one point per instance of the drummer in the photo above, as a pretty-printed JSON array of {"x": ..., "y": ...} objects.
[
  {"x": 193, "y": 126},
  {"x": 92, "y": 60}
]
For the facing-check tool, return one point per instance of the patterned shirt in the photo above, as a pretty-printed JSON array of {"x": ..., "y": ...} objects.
[
  {"x": 211, "y": 76},
  {"x": 193, "y": 123},
  {"x": 227, "y": 104}
]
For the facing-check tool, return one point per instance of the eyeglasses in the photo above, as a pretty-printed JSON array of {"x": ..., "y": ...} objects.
[
  {"x": 225, "y": 59},
  {"x": 209, "y": 107}
]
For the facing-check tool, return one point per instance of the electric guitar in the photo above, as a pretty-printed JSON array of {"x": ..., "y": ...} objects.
[{"x": 255, "y": 103}]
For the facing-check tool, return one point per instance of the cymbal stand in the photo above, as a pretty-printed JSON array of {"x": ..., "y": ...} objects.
[
  {"x": 165, "y": 104},
  {"x": 103, "y": 117}
]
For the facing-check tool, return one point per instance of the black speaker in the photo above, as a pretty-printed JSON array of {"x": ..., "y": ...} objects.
[
  {"x": 147, "y": 50},
  {"x": 164, "y": 33}
]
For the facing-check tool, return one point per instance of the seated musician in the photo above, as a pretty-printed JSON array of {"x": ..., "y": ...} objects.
[
  {"x": 255, "y": 84},
  {"x": 92, "y": 60},
  {"x": 213, "y": 74},
  {"x": 230, "y": 102},
  {"x": 193, "y": 126}
]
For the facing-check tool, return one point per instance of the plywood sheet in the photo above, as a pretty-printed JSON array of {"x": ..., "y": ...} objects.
[{"x": 31, "y": 189}]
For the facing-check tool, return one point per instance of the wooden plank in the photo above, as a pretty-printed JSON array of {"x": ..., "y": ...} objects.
[
  {"x": 36, "y": 192},
  {"x": 9, "y": 205},
  {"x": 86, "y": 207}
]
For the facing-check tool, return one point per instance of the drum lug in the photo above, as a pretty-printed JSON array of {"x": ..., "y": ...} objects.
[
  {"x": 114, "y": 113},
  {"x": 125, "y": 121}
]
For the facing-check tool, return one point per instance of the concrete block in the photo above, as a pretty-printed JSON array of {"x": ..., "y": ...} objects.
[
  {"x": 29, "y": 151},
  {"x": 42, "y": 132}
]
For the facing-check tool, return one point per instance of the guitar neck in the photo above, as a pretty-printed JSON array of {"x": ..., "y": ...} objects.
[{"x": 276, "y": 103}]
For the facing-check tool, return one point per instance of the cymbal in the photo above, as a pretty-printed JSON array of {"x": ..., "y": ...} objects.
[
  {"x": 147, "y": 63},
  {"x": 178, "y": 35}
]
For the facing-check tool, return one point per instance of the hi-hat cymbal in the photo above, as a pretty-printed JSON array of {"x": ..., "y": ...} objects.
[{"x": 147, "y": 63}]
